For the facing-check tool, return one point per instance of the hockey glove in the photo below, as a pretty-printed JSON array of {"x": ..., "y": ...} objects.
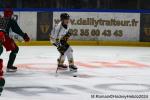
[
  {"x": 57, "y": 44},
  {"x": 26, "y": 37},
  {"x": 63, "y": 48}
]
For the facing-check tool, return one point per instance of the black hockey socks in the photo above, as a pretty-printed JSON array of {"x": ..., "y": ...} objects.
[{"x": 12, "y": 57}]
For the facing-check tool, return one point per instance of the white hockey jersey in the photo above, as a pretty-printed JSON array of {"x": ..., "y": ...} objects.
[{"x": 58, "y": 32}]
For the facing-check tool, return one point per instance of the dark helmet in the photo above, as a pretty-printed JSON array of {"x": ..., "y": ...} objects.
[{"x": 64, "y": 16}]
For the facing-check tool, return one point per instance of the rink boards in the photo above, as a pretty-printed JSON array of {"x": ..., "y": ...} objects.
[
  {"x": 88, "y": 43},
  {"x": 93, "y": 28}
]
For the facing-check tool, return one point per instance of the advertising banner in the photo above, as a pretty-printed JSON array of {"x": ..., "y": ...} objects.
[
  {"x": 145, "y": 28},
  {"x": 103, "y": 26},
  {"x": 44, "y": 25}
]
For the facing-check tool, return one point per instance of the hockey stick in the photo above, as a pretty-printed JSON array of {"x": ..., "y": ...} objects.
[{"x": 57, "y": 70}]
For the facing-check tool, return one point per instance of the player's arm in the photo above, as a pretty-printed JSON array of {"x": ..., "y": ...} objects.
[
  {"x": 54, "y": 37},
  {"x": 15, "y": 28}
]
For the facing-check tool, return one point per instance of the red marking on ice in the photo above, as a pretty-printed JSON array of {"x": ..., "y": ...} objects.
[
  {"x": 106, "y": 64},
  {"x": 36, "y": 66},
  {"x": 93, "y": 64},
  {"x": 120, "y": 64},
  {"x": 133, "y": 63},
  {"x": 86, "y": 65}
]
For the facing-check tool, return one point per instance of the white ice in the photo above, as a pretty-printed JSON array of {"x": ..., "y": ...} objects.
[{"x": 102, "y": 71}]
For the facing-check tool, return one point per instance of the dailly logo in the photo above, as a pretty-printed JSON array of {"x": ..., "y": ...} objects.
[
  {"x": 147, "y": 31},
  {"x": 44, "y": 28}
]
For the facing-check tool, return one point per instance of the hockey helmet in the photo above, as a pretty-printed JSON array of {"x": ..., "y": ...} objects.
[
  {"x": 64, "y": 16},
  {"x": 8, "y": 12}
]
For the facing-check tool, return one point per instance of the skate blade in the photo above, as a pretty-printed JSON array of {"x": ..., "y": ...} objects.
[
  {"x": 11, "y": 70},
  {"x": 62, "y": 68},
  {"x": 73, "y": 70}
]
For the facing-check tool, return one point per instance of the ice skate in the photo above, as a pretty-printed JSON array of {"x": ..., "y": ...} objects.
[
  {"x": 11, "y": 69},
  {"x": 62, "y": 67},
  {"x": 73, "y": 68}
]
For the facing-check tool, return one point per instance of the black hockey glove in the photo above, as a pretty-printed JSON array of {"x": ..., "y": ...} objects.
[
  {"x": 63, "y": 48},
  {"x": 60, "y": 47},
  {"x": 57, "y": 44},
  {"x": 26, "y": 37}
]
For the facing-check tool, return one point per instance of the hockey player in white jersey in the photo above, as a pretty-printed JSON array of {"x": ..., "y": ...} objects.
[{"x": 59, "y": 37}]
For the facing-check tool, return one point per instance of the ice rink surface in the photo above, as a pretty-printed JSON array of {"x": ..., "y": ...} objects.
[{"x": 102, "y": 71}]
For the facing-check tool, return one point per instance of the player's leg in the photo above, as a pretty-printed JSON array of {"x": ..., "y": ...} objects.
[
  {"x": 12, "y": 57},
  {"x": 69, "y": 54},
  {"x": 10, "y": 45},
  {"x": 61, "y": 61},
  {"x": 62, "y": 50},
  {"x": 2, "y": 80}
]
